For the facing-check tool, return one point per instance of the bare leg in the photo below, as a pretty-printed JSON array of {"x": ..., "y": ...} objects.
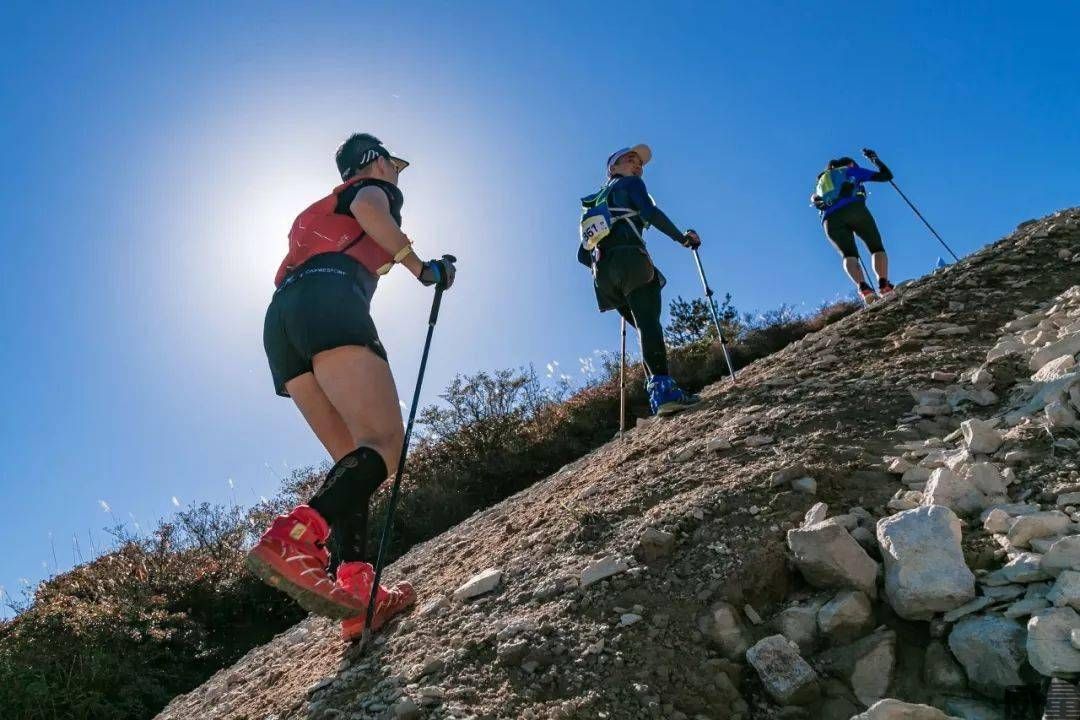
[
  {"x": 854, "y": 270},
  {"x": 881, "y": 264},
  {"x": 324, "y": 420},
  {"x": 361, "y": 389}
]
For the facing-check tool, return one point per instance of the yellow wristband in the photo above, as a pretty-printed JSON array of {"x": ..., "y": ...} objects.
[{"x": 403, "y": 253}]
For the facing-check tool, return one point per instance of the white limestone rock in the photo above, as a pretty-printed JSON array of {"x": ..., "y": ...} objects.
[
  {"x": 925, "y": 572},
  {"x": 1066, "y": 590},
  {"x": 1054, "y": 369},
  {"x": 898, "y": 466},
  {"x": 905, "y": 500},
  {"x": 1001, "y": 593},
  {"x": 1064, "y": 554},
  {"x": 846, "y": 617},
  {"x": 1005, "y": 346},
  {"x": 601, "y": 569},
  {"x": 998, "y": 521},
  {"x": 1049, "y": 641},
  {"x": 483, "y": 582},
  {"x": 1025, "y": 568},
  {"x": 916, "y": 474},
  {"x": 867, "y": 664},
  {"x": 1025, "y": 607},
  {"x": 1068, "y": 345},
  {"x": 948, "y": 489},
  {"x": 982, "y": 378},
  {"x": 828, "y": 557},
  {"x": 890, "y": 709},
  {"x": 1037, "y": 525},
  {"x": 972, "y": 606},
  {"x": 817, "y": 513},
  {"x": 1011, "y": 509},
  {"x": 980, "y": 436},
  {"x": 986, "y": 477}
]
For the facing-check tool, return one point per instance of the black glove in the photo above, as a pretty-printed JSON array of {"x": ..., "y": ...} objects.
[
  {"x": 439, "y": 272},
  {"x": 870, "y": 155},
  {"x": 818, "y": 202},
  {"x": 691, "y": 240}
]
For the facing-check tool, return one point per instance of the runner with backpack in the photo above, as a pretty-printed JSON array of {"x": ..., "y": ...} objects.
[
  {"x": 841, "y": 199},
  {"x": 324, "y": 353},
  {"x": 613, "y": 223}
]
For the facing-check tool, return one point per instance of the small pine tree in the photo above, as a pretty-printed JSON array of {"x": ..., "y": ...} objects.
[{"x": 691, "y": 322}]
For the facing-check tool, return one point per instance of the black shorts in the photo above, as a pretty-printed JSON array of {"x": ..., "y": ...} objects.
[
  {"x": 855, "y": 219},
  {"x": 620, "y": 271},
  {"x": 322, "y": 305}
]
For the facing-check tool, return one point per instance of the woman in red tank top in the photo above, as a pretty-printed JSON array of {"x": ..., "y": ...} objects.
[{"x": 325, "y": 354}]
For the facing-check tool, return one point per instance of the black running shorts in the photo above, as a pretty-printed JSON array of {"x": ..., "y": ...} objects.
[
  {"x": 855, "y": 219},
  {"x": 322, "y": 305},
  {"x": 622, "y": 270}
]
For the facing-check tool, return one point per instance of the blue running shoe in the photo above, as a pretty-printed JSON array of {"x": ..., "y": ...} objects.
[{"x": 667, "y": 398}]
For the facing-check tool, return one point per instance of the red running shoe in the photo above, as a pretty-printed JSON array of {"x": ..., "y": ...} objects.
[
  {"x": 356, "y": 578},
  {"x": 868, "y": 295},
  {"x": 290, "y": 557},
  {"x": 886, "y": 290}
]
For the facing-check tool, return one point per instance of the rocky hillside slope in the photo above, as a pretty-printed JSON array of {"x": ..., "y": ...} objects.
[{"x": 885, "y": 509}]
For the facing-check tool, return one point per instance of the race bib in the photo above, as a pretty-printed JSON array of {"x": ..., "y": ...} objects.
[{"x": 594, "y": 228}]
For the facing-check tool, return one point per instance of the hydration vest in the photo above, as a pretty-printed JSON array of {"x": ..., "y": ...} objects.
[
  {"x": 598, "y": 218},
  {"x": 835, "y": 184},
  {"x": 320, "y": 229}
]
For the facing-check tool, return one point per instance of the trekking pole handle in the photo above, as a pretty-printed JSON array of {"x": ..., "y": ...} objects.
[{"x": 437, "y": 302}]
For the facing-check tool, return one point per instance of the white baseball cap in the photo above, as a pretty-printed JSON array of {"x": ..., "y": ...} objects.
[{"x": 642, "y": 152}]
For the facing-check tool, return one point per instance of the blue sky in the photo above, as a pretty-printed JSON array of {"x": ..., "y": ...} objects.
[{"x": 155, "y": 156}]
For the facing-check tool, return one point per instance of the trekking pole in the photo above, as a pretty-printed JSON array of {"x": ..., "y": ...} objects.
[
  {"x": 912, "y": 206},
  {"x": 622, "y": 378},
  {"x": 715, "y": 318},
  {"x": 384, "y": 539},
  {"x": 866, "y": 273}
]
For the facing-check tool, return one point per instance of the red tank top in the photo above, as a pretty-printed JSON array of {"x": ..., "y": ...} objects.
[{"x": 319, "y": 229}]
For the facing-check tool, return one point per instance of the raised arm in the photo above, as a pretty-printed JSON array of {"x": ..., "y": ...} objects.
[{"x": 883, "y": 174}]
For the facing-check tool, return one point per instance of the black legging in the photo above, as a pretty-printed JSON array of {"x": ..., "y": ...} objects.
[
  {"x": 643, "y": 312},
  {"x": 627, "y": 281}
]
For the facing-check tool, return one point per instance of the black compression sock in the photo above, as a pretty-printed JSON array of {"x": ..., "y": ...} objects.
[{"x": 343, "y": 502}]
